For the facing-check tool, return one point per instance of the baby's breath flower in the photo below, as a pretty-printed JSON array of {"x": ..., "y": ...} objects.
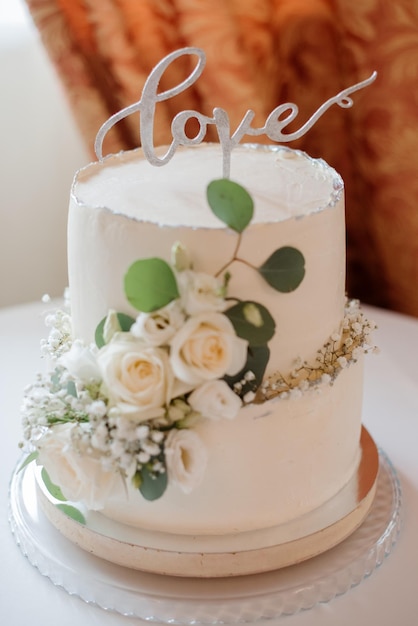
[
  {"x": 304, "y": 385},
  {"x": 344, "y": 346},
  {"x": 143, "y": 457},
  {"x": 357, "y": 328},
  {"x": 249, "y": 397},
  {"x": 356, "y": 353},
  {"x": 142, "y": 431},
  {"x": 342, "y": 361},
  {"x": 151, "y": 448},
  {"x": 158, "y": 467},
  {"x": 157, "y": 436},
  {"x": 117, "y": 448}
]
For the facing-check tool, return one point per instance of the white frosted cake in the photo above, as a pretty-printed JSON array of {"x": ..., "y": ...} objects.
[
  {"x": 239, "y": 455},
  {"x": 206, "y": 384},
  {"x": 275, "y": 460}
]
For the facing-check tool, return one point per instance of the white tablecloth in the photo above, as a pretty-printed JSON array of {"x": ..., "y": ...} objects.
[{"x": 388, "y": 597}]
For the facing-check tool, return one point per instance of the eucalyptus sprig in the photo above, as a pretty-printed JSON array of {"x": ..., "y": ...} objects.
[{"x": 284, "y": 270}]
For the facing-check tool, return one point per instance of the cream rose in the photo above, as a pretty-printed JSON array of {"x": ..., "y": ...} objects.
[
  {"x": 158, "y": 327},
  {"x": 81, "y": 362},
  {"x": 200, "y": 292},
  {"x": 206, "y": 348},
  {"x": 80, "y": 477},
  {"x": 138, "y": 378},
  {"x": 186, "y": 458},
  {"x": 215, "y": 400}
]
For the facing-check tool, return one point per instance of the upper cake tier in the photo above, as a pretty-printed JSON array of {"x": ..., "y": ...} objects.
[{"x": 123, "y": 209}]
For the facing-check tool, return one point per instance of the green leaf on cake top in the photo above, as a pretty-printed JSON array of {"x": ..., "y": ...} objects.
[
  {"x": 252, "y": 322},
  {"x": 284, "y": 270},
  {"x": 150, "y": 284},
  {"x": 231, "y": 203}
]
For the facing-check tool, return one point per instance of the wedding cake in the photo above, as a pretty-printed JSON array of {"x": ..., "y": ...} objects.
[{"x": 207, "y": 381}]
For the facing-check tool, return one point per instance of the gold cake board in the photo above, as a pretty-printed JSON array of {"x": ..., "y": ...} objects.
[{"x": 233, "y": 555}]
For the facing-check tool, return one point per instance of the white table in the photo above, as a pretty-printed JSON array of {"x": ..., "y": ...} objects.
[{"x": 388, "y": 597}]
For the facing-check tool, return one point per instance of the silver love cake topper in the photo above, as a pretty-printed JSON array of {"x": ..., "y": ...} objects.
[{"x": 273, "y": 128}]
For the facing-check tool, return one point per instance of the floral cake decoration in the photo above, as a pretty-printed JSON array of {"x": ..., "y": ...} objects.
[
  {"x": 125, "y": 407},
  {"x": 128, "y": 403}
]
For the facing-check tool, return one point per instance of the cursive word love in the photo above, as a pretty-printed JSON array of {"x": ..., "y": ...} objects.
[{"x": 273, "y": 128}]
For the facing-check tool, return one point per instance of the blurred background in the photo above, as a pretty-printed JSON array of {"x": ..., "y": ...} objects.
[
  {"x": 40, "y": 149},
  {"x": 86, "y": 59}
]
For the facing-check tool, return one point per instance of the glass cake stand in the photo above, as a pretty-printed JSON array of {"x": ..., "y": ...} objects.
[{"x": 233, "y": 600}]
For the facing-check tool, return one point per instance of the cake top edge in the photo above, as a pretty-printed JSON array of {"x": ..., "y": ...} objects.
[{"x": 285, "y": 183}]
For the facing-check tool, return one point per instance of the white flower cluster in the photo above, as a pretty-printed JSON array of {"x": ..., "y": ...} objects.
[
  {"x": 127, "y": 406},
  {"x": 60, "y": 337},
  {"x": 343, "y": 348}
]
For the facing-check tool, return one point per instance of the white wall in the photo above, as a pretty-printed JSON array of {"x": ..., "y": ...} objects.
[{"x": 40, "y": 149}]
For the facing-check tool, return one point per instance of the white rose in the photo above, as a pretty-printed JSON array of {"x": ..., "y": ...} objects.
[
  {"x": 186, "y": 458},
  {"x": 138, "y": 378},
  {"x": 158, "y": 327},
  {"x": 80, "y": 477},
  {"x": 206, "y": 348},
  {"x": 81, "y": 362},
  {"x": 200, "y": 292},
  {"x": 215, "y": 400}
]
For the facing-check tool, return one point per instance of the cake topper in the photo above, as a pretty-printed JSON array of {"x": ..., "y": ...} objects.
[{"x": 274, "y": 125}]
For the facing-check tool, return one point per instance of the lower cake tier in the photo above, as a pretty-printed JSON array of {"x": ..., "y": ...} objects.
[
  {"x": 272, "y": 464},
  {"x": 236, "y": 554}
]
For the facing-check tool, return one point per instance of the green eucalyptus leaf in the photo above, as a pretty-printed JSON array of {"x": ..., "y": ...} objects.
[
  {"x": 73, "y": 512},
  {"x": 231, "y": 203},
  {"x": 252, "y": 322},
  {"x": 153, "y": 485},
  {"x": 53, "y": 489},
  {"x": 257, "y": 360},
  {"x": 72, "y": 389},
  {"x": 150, "y": 284},
  {"x": 284, "y": 269},
  {"x": 31, "y": 457},
  {"x": 125, "y": 322}
]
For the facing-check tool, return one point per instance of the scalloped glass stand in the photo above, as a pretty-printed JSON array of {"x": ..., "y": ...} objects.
[{"x": 236, "y": 600}]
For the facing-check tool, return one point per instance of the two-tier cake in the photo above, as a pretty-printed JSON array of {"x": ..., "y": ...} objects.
[{"x": 207, "y": 385}]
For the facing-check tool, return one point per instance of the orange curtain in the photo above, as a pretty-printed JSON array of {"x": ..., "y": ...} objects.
[{"x": 261, "y": 53}]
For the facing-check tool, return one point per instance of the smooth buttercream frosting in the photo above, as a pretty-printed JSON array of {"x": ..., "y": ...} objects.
[
  {"x": 284, "y": 183},
  {"x": 104, "y": 239},
  {"x": 278, "y": 460}
]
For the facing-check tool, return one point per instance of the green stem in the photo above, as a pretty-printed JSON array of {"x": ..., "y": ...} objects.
[
  {"x": 234, "y": 258},
  {"x": 245, "y": 263}
]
